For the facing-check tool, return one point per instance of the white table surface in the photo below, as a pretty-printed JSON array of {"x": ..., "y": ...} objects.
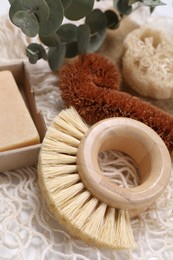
[{"x": 4, "y": 6}]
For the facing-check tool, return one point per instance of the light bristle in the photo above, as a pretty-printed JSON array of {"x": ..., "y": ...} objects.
[
  {"x": 63, "y": 182},
  {"x": 124, "y": 231},
  {"x": 108, "y": 233},
  {"x": 73, "y": 118},
  {"x": 65, "y": 127},
  {"x": 59, "y": 147},
  {"x": 84, "y": 214},
  {"x": 95, "y": 223},
  {"x": 58, "y": 158},
  {"x": 63, "y": 196},
  {"x": 55, "y": 134},
  {"x": 56, "y": 170},
  {"x": 74, "y": 206}
]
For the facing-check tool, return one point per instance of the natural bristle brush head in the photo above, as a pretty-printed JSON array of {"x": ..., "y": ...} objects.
[
  {"x": 80, "y": 197},
  {"x": 91, "y": 84}
]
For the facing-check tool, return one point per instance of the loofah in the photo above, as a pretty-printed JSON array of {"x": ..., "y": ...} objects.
[
  {"x": 91, "y": 84},
  {"x": 148, "y": 63}
]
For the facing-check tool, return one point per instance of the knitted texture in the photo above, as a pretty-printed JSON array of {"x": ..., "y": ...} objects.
[{"x": 27, "y": 229}]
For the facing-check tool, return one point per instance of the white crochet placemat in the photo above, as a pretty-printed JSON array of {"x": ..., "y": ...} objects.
[{"x": 27, "y": 228}]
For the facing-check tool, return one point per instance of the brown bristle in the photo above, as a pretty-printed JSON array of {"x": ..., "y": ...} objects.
[{"x": 91, "y": 84}]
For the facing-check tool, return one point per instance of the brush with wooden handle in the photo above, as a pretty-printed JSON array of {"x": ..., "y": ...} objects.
[
  {"x": 87, "y": 203},
  {"x": 91, "y": 84}
]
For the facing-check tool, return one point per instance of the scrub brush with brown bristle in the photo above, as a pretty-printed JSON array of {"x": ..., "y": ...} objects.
[
  {"x": 86, "y": 202},
  {"x": 91, "y": 84}
]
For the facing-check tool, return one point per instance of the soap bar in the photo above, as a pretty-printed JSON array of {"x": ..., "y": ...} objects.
[{"x": 17, "y": 128}]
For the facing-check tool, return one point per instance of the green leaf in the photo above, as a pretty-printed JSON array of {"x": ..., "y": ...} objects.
[
  {"x": 68, "y": 33},
  {"x": 35, "y": 51},
  {"x": 83, "y": 38},
  {"x": 124, "y": 7},
  {"x": 14, "y": 8},
  {"x": 78, "y": 9},
  {"x": 96, "y": 20},
  {"x": 11, "y": 1},
  {"x": 152, "y": 9},
  {"x": 55, "y": 18},
  {"x": 32, "y": 58},
  {"x": 51, "y": 40},
  {"x": 71, "y": 49},
  {"x": 152, "y": 3},
  {"x": 56, "y": 57},
  {"x": 38, "y": 7},
  {"x": 112, "y": 19},
  {"x": 96, "y": 41},
  {"x": 27, "y": 22},
  {"x": 131, "y": 2},
  {"x": 66, "y": 3}
]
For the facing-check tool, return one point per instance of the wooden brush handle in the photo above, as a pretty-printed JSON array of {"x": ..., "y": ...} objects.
[{"x": 138, "y": 141}]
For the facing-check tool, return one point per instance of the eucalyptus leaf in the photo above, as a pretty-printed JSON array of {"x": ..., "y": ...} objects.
[
  {"x": 56, "y": 56},
  {"x": 124, "y": 7},
  {"x": 96, "y": 20},
  {"x": 45, "y": 17},
  {"x": 151, "y": 9},
  {"x": 36, "y": 50},
  {"x": 32, "y": 58},
  {"x": 78, "y": 9},
  {"x": 66, "y": 3},
  {"x": 112, "y": 19},
  {"x": 38, "y": 7},
  {"x": 11, "y": 1},
  {"x": 27, "y": 22},
  {"x": 152, "y": 3},
  {"x": 14, "y": 8},
  {"x": 71, "y": 49},
  {"x": 83, "y": 38},
  {"x": 68, "y": 32},
  {"x": 55, "y": 18},
  {"x": 51, "y": 40},
  {"x": 131, "y": 2},
  {"x": 96, "y": 41}
]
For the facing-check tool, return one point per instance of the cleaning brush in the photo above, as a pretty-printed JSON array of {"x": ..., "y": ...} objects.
[
  {"x": 81, "y": 198},
  {"x": 91, "y": 83}
]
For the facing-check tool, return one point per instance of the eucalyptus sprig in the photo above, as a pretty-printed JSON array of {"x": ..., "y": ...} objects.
[{"x": 59, "y": 41}]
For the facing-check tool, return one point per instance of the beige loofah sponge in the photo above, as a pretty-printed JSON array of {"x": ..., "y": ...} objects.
[{"x": 148, "y": 63}]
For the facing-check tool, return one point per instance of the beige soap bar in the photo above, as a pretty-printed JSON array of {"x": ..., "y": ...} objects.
[{"x": 17, "y": 128}]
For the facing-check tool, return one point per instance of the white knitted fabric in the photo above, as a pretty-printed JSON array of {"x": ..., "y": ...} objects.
[{"x": 28, "y": 231}]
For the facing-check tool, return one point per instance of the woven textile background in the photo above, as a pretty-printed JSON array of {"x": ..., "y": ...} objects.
[{"x": 28, "y": 231}]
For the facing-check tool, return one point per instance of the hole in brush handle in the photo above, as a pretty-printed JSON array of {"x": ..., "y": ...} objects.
[{"x": 142, "y": 144}]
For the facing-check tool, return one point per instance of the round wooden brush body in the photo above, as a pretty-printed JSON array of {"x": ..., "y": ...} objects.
[
  {"x": 91, "y": 83},
  {"x": 87, "y": 203}
]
